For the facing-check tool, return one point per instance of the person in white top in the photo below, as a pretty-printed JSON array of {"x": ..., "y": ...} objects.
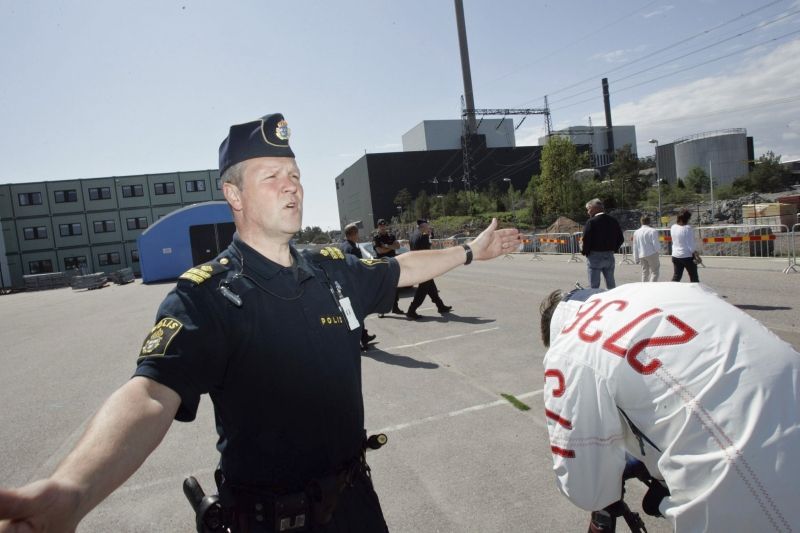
[
  {"x": 646, "y": 249},
  {"x": 683, "y": 248},
  {"x": 700, "y": 392}
]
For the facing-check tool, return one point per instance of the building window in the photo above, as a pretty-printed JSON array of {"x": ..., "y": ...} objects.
[
  {"x": 104, "y": 226},
  {"x": 67, "y": 230},
  {"x": 129, "y": 191},
  {"x": 33, "y": 233},
  {"x": 111, "y": 258},
  {"x": 164, "y": 188},
  {"x": 99, "y": 193},
  {"x": 219, "y": 184},
  {"x": 70, "y": 195},
  {"x": 134, "y": 256},
  {"x": 41, "y": 266},
  {"x": 137, "y": 223},
  {"x": 30, "y": 198},
  {"x": 195, "y": 185},
  {"x": 76, "y": 262}
]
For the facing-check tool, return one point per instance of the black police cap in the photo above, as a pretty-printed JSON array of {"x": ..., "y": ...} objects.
[
  {"x": 381, "y": 222},
  {"x": 421, "y": 221},
  {"x": 265, "y": 137}
]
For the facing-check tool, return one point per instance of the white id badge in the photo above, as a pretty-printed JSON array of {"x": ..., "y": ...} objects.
[{"x": 352, "y": 321}]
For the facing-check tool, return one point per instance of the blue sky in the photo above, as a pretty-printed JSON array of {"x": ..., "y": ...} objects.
[{"x": 95, "y": 89}]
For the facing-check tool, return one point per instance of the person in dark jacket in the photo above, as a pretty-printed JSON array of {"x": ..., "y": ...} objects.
[
  {"x": 421, "y": 240},
  {"x": 602, "y": 237},
  {"x": 386, "y": 245},
  {"x": 350, "y": 246}
]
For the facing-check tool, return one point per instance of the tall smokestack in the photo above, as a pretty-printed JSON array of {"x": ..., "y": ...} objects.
[
  {"x": 607, "y": 104},
  {"x": 462, "y": 43}
]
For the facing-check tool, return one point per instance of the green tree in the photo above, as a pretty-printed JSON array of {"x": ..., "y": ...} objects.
[
  {"x": 422, "y": 205},
  {"x": 403, "y": 198},
  {"x": 559, "y": 191},
  {"x": 697, "y": 180},
  {"x": 629, "y": 187},
  {"x": 768, "y": 175}
]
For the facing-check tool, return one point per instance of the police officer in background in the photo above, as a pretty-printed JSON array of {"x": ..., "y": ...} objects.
[
  {"x": 386, "y": 245},
  {"x": 421, "y": 240},
  {"x": 350, "y": 246},
  {"x": 272, "y": 335}
]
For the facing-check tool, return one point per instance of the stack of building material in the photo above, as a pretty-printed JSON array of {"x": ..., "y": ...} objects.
[
  {"x": 773, "y": 214},
  {"x": 90, "y": 281},
  {"x": 122, "y": 276},
  {"x": 51, "y": 280}
]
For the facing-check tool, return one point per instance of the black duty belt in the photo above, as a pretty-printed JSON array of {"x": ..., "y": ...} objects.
[{"x": 257, "y": 508}]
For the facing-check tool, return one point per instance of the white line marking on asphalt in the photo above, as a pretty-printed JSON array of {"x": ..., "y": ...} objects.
[
  {"x": 449, "y": 337},
  {"x": 458, "y": 412}
]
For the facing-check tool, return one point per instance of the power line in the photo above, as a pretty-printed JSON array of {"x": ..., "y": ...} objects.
[
  {"x": 765, "y": 103},
  {"x": 620, "y": 89},
  {"x": 716, "y": 43},
  {"x": 664, "y": 49}
]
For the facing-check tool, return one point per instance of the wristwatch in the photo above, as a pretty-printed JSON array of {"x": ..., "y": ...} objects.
[{"x": 469, "y": 253}]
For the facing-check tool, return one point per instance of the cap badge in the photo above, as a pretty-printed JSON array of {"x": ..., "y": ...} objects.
[{"x": 282, "y": 130}]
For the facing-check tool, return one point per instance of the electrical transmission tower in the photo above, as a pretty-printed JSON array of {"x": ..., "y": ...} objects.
[{"x": 469, "y": 134}]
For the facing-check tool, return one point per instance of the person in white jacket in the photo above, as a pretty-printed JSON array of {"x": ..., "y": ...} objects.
[
  {"x": 646, "y": 249},
  {"x": 701, "y": 393}
]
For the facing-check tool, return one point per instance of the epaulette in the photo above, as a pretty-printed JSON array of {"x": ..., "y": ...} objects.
[
  {"x": 328, "y": 253},
  {"x": 201, "y": 273}
]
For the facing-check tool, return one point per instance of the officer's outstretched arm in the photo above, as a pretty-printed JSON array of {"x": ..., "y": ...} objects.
[
  {"x": 419, "y": 266},
  {"x": 129, "y": 425}
]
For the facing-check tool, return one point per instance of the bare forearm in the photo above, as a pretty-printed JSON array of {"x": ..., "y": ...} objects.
[
  {"x": 419, "y": 266},
  {"x": 128, "y": 427}
]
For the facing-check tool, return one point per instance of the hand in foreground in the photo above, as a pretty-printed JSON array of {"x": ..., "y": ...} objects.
[
  {"x": 44, "y": 506},
  {"x": 493, "y": 242}
]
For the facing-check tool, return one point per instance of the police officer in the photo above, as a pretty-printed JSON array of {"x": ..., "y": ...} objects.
[
  {"x": 272, "y": 335},
  {"x": 421, "y": 240},
  {"x": 386, "y": 245},
  {"x": 350, "y": 246}
]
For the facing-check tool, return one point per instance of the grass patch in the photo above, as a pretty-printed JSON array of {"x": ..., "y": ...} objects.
[{"x": 515, "y": 402}]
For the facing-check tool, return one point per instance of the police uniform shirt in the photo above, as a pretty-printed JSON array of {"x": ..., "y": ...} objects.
[
  {"x": 420, "y": 241},
  {"x": 715, "y": 400},
  {"x": 349, "y": 247},
  {"x": 383, "y": 240},
  {"x": 283, "y": 369}
]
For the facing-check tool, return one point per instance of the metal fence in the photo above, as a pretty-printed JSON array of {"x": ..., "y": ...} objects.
[{"x": 756, "y": 241}]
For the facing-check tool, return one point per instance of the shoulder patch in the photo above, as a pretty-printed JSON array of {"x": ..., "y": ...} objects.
[
  {"x": 201, "y": 273},
  {"x": 160, "y": 336},
  {"x": 331, "y": 252},
  {"x": 373, "y": 262}
]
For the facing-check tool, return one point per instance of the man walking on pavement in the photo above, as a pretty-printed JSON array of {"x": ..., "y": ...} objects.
[
  {"x": 421, "y": 240},
  {"x": 602, "y": 237},
  {"x": 646, "y": 248}
]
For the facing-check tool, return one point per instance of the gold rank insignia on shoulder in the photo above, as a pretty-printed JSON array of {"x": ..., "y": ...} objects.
[
  {"x": 331, "y": 252},
  {"x": 373, "y": 262},
  {"x": 201, "y": 273},
  {"x": 160, "y": 336}
]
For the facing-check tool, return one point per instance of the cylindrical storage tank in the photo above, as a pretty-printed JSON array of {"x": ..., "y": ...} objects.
[{"x": 722, "y": 154}]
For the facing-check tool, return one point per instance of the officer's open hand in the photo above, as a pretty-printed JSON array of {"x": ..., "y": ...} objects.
[
  {"x": 44, "y": 506},
  {"x": 493, "y": 242}
]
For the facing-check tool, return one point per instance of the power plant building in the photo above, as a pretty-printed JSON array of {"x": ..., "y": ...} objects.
[
  {"x": 603, "y": 145},
  {"x": 433, "y": 161},
  {"x": 724, "y": 155}
]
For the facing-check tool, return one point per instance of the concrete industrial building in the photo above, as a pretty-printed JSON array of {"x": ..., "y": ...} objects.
[
  {"x": 597, "y": 137},
  {"x": 89, "y": 224},
  {"x": 432, "y": 160},
  {"x": 722, "y": 154}
]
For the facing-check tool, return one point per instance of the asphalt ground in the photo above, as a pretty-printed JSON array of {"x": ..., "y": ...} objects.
[{"x": 460, "y": 458}]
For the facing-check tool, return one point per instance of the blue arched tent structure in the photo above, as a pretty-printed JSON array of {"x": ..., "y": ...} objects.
[{"x": 184, "y": 238}]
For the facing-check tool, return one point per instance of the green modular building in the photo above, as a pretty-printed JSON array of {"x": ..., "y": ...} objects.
[{"x": 89, "y": 224}]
